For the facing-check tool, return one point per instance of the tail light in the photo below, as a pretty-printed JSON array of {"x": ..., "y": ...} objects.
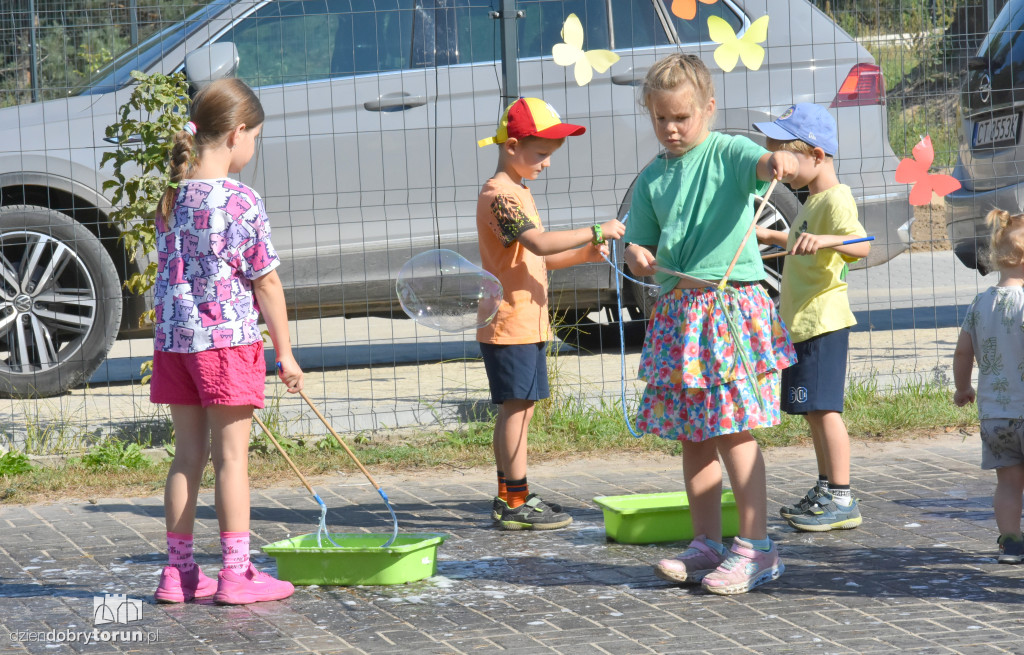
[{"x": 864, "y": 85}]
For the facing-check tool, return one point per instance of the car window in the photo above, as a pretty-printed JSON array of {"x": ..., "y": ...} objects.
[
  {"x": 306, "y": 40},
  {"x": 541, "y": 28},
  {"x": 1004, "y": 44},
  {"x": 636, "y": 25},
  {"x": 478, "y": 34},
  {"x": 696, "y": 30}
]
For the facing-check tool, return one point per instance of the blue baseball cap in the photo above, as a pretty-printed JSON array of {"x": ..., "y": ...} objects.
[{"x": 806, "y": 121}]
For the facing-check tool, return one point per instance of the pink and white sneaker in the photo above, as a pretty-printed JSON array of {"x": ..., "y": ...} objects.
[
  {"x": 745, "y": 568},
  {"x": 178, "y": 587},
  {"x": 691, "y": 565},
  {"x": 250, "y": 586}
]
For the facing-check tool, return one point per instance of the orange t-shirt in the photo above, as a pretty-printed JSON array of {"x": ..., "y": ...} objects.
[{"x": 504, "y": 211}]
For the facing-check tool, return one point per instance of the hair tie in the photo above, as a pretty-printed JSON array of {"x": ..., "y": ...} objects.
[
  {"x": 173, "y": 185},
  {"x": 190, "y": 127}
]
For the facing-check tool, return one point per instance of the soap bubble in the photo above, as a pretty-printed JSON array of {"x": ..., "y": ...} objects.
[{"x": 443, "y": 290}]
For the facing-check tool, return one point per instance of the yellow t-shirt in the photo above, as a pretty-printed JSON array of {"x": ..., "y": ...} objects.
[
  {"x": 504, "y": 211},
  {"x": 814, "y": 299}
]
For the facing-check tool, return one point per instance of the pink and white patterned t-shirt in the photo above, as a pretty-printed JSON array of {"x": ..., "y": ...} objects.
[{"x": 206, "y": 260}]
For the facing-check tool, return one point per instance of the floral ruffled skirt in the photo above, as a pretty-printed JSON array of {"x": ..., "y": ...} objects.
[{"x": 697, "y": 383}]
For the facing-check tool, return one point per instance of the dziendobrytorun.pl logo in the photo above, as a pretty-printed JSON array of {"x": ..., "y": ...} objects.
[{"x": 106, "y": 610}]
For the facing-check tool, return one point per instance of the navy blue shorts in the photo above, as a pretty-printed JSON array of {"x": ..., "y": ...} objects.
[
  {"x": 817, "y": 382},
  {"x": 516, "y": 372}
]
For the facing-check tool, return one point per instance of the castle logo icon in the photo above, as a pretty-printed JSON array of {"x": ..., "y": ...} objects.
[{"x": 115, "y": 608}]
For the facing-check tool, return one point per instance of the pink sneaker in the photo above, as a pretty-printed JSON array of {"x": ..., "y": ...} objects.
[
  {"x": 692, "y": 565},
  {"x": 745, "y": 568},
  {"x": 250, "y": 586},
  {"x": 178, "y": 587}
]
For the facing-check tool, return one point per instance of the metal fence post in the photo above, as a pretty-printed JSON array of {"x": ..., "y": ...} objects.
[
  {"x": 509, "y": 51},
  {"x": 133, "y": 14},
  {"x": 33, "y": 60}
]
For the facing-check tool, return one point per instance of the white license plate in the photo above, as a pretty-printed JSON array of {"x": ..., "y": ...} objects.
[{"x": 1003, "y": 130}]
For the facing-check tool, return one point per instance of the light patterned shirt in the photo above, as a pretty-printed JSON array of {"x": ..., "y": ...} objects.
[
  {"x": 995, "y": 322},
  {"x": 217, "y": 243}
]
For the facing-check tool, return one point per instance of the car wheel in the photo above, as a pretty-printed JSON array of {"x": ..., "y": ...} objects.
[
  {"x": 780, "y": 213},
  {"x": 60, "y": 302}
]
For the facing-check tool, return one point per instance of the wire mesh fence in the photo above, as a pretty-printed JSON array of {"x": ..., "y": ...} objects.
[{"x": 369, "y": 156}]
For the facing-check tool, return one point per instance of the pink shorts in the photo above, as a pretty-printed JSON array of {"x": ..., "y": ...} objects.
[{"x": 221, "y": 376}]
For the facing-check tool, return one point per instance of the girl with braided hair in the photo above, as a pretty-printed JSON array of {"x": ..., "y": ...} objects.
[{"x": 215, "y": 276}]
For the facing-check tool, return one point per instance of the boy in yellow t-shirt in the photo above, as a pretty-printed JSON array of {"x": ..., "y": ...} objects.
[
  {"x": 515, "y": 247},
  {"x": 816, "y": 310}
]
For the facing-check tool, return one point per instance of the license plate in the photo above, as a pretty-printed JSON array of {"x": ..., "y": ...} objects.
[{"x": 1004, "y": 130}]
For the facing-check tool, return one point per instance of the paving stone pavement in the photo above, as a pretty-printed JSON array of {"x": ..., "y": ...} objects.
[{"x": 919, "y": 575}]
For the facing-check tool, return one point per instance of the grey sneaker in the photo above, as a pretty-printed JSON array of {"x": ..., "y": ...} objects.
[
  {"x": 534, "y": 514},
  {"x": 825, "y": 514},
  {"x": 1011, "y": 548},
  {"x": 499, "y": 505},
  {"x": 802, "y": 505}
]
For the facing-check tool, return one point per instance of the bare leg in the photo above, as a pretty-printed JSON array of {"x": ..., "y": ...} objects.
[
  {"x": 833, "y": 445},
  {"x": 230, "y": 426},
  {"x": 743, "y": 461},
  {"x": 510, "y": 432},
  {"x": 1007, "y": 499},
  {"x": 191, "y": 452},
  {"x": 703, "y": 476},
  {"x": 818, "y": 439}
]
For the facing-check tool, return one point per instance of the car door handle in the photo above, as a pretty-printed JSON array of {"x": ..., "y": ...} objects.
[
  {"x": 134, "y": 139},
  {"x": 395, "y": 102},
  {"x": 632, "y": 77}
]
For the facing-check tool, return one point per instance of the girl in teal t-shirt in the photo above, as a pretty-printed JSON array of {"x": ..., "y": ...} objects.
[{"x": 690, "y": 210}]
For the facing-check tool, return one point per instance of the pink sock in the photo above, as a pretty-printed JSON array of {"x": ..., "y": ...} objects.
[
  {"x": 234, "y": 546},
  {"x": 179, "y": 551}
]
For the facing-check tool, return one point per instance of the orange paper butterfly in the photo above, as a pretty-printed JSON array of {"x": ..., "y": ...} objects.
[
  {"x": 915, "y": 171},
  {"x": 687, "y": 9}
]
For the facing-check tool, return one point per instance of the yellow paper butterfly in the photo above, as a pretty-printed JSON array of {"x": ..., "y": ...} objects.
[
  {"x": 732, "y": 48},
  {"x": 572, "y": 52}
]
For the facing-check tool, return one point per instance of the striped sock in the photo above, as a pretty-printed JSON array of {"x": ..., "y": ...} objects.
[
  {"x": 841, "y": 494},
  {"x": 179, "y": 551},
  {"x": 822, "y": 482},
  {"x": 502, "y": 487},
  {"x": 234, "y": 547},
  {"x": 518, "y": 490}
]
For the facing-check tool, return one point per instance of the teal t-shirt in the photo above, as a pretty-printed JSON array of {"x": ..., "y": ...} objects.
[{"x": 696, "y": 209}]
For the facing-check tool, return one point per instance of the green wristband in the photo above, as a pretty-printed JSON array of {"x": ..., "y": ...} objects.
[{"x": 598, "y": 236}]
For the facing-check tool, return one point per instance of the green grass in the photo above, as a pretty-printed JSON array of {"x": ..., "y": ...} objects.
[{"x": 563, "y": 427}]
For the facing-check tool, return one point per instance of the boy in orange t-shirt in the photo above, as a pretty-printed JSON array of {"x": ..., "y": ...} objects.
[{"x": 515, "y": 248}]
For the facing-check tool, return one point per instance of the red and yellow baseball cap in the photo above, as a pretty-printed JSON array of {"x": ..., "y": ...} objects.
[{"x": 531, "y": 117}]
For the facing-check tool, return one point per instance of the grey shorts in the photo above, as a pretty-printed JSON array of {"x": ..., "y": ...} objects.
[{"x": 1002, "y": 442}]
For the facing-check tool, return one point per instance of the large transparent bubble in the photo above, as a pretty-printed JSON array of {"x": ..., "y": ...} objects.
[{"x": 443, "y": 290}]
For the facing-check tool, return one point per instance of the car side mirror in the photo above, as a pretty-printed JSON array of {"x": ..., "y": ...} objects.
[{"x": 210, "y": 63}]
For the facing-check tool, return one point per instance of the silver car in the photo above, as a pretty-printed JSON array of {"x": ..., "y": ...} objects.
[
  {"x": 369, "y": 150},
  {"x": 990, "y": 156}
]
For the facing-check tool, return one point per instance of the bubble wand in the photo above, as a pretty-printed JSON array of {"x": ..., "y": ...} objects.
[
  {"x": 322, "y": 528},
  {"x": 783, "y": 253},
  {"x": 723, "y": 294},
  {"x": 394, "y": 519}
]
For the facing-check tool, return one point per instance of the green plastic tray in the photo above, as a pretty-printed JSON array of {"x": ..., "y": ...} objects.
[
  {"x": 360, "y": 560},
  {"x": 654, "y": 518}
]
